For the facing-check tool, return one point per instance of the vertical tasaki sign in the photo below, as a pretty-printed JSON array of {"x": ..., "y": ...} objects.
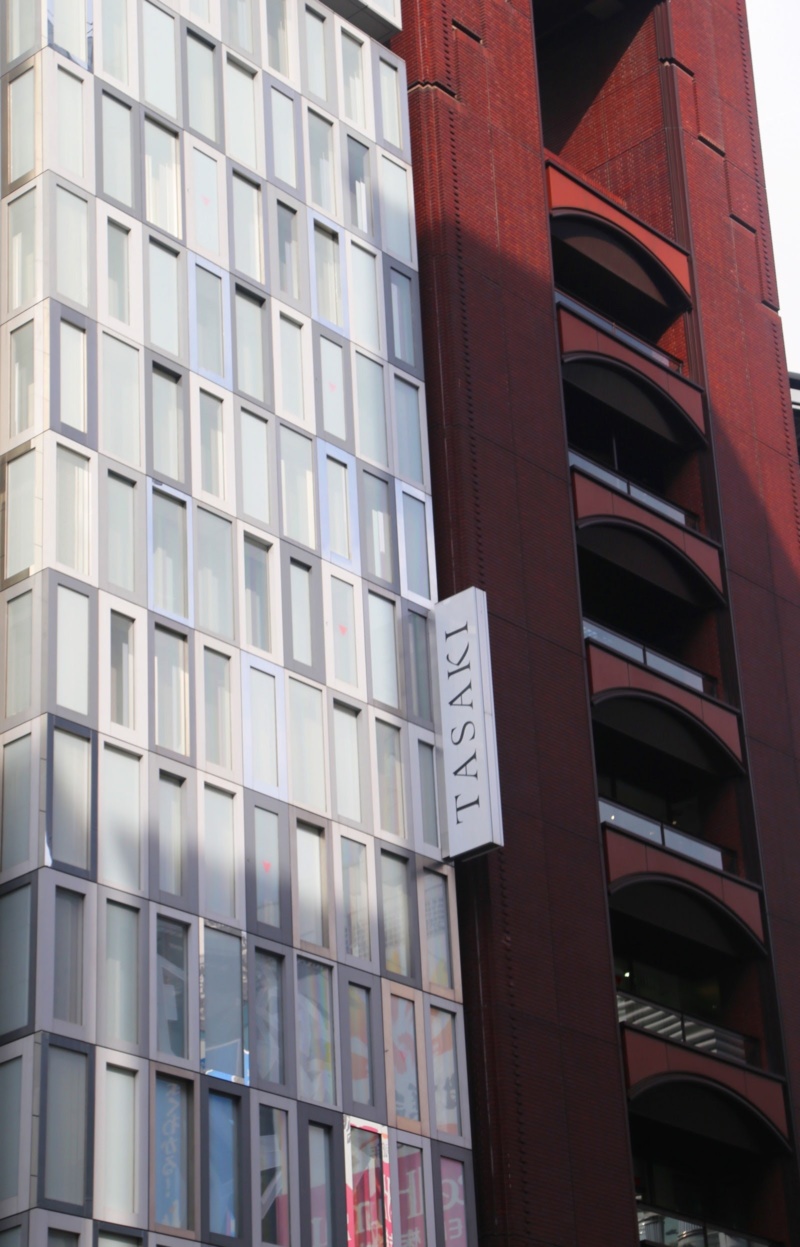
[{"x": 473, "y": 820}]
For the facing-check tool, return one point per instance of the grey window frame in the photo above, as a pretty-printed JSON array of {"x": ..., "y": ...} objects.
[
  {"x": 152, "y": 361},
  {"x": 129, "y": 900},
  {"x": 283, "y": 933},
  {"x": 376, "y": 1110},
  {"x": 414, "y": 979},
  {"x": 71, "y": 1045},
  {"x": 348, "y": 442},
  {"x": 297, "y": 192},
  {"x": 226, "y": 377},
  {"x": 331, "y": 100},
  {"x": 271, "y": 421},
  {"x": 187, "y": 30},
  {"x": 414, "y": 369},
  {"x": 31, "y": 881},
  {"x": 288, "y": 979},
  {"x": 257, "y": 295},
  {"x": 290, "y": 553},
  {"x": 58, "y": 722},
  {"x": 326, "y": 450},
  {"x": 175, "y": 1074},
  {"x": 178, "y": 768},
  {"x": 65, "y": 312},
  {"x": 250, "y": 175},
  {"x": 308, "y": 1115},
  {"x": 212, "y": 1085},
  {"x": 367, "y": 468},
  {"x": 187, "y": 634},
  {"x": 250, "y": 662},
  {"x": 268, "y": 1099},
  {"x": 105, "y": 87},
  {"x": 449, "y": 1151},
  {"x": 138, "y": 595},
  {"x": 275, "y": 196}
]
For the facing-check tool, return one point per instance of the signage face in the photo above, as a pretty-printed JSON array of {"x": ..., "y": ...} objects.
[{"x": 473, "y": 820}]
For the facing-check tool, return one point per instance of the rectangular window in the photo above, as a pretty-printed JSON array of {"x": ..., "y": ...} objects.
[
  {"x": 368, "y": 1184},
  {"x": 115, "y": 38},
  {"x": 407, "y": 425},
  {"x": 380, "y": 546},
  {"x": 69, "y": 26},
  {"x": 283, "y": 142},
  {"x": 69, "y": 102},
  {"x": 345, "y": 657},
  {"x": 365, "y": 321},
  {"x": 316, "y": 1064},
  {"x": 119, "y": 304},
  {"x": 162, "y": 177},
  {"x": 328, "y": 276},
  {"x": 20, "y": 513},
  {"x": 72, "y": 650},
  {"x": 72, "y": 246},
  {"x": 172, "y": 967},
  {"x": 411, "y": 1194},
  {"x": 312, "y": 889},
  {"x": 10, "y": 1115},
  {"x": 214, "y": 574},
  {"x": 361, "y": 1076},
  {"x": 120, "y": 527},
  {"x": 220, "y": 853},
  {"x": 19, "y": 653},
  {"x": 170, "y": 571},
  {"x": 16, "y": 807},
  {"x": 390, "y": 777},
  {"x": 22, "y": 378},
  {"x": 297, "y": 485},
  {"x": 404, "y": 1059},
  {"x": 307, "y": 773},
  {"x": 255, "y": 467},
  {"x": 247, "y": 227},
  {"x": 21, "y": 28},
  {"x": 288, "y": 263},
  {"x": 348, "y": 771},
  {"x": 168, "y": 456},
  {"x": 121, "y": 954},
  {"x": 316, "y": 69},
  {"x": 256, "y": 593},
  {"x": 164, "y": 299},
  {"x": 383, "y": 650},
  {"x": 332, "y": 388},
  {"x": 121, "y": 436},
  {"x": 402, "y": 317},
  {"x": 68, "y": 957},
  {"x": 437, "y": 930},
  {"x": 355, "y": 894},
  {"x": 65, "y": 1126},
  {"x": 263, "y": 729},
  {"x": 21, "y": 250},
  {"x": 291, "y": 371},
  {"x": 173, "y": 1148},
  {"x": 278, "y": 36},
  {"x": 122, "y": 672},
  {"x": 338, "y": 508},
  {"x": 371, "y": 410},
  {"x": 222, "y": 981},
  {"x": 359, "y": 186},
  {"x": 170, "y": 834},
  {"x": 206, "y": 201},
  {"x": 212, "y": 471},
  {"x": 120, "y": 1159},
  {"x": 15, "y": 964},
  {"x": 201, "y": 87},
  {"x": 396, "y": 915},
  {"x": 274, "y": 1166},
  {"x": 22, "y": 125},
  {"x": 240, "y": 23},
  {"x": 171, "y": 691},
  {"x": 320, "y": 1161},
  {"x": 353, "y": 78},
  {"x": 117, "y": 150},
  {"x": 224, "y": 1169},
  {"x": 210, "y": 350},
  {"x": 390, "y": 104},
  {"x": 419, "y": 655},
  {"x": 268, "y": 1019},
  {"x": 120, "y": 819},
  {"x": 217, "y": 681},
  {"x": 447, "y": 1094},
  {"x": 268, "y": 867},
  {"x": 427, "y": 783},
  {"x": 71, "y": 808},
  {"x": 396, "y": 216},
  {"x": 320, "y": 151},
  {"x": 240, "y": 103},
  {"x": 249, "y": 344},
  {"x": 160, "y": 80},
  {"x": 415, "y": 532}
]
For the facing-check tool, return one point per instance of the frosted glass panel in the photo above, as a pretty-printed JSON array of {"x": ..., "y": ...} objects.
[
  {"x": 161, "y": 177},
  {"x": 200, "y": 76},
  {"x": 115, "y": 38},
  {"x": 256, "y": 593},
  {"x": 171, "y": 691},
  {"x": 383, "y": 650},
  {"x": 119, "y": 1159},
  {"x": 69, "y": 100},
  {"x": 121, "y": 435},
  {"x": 16, "y": 803},
  {"x": 396, "y": 216},
  {"x": 72, "y": 510},
  {"x": 307, "y": 770},
  {"x": 71, "y": 799},
  {"x": 20, "y": 507},
  {"x": 65, "y": 1126},
  {"x": 332, "y": 386},
  {"x": 170, "y": 573},
  {"x": 120, "y": 532},
  {"x": 212, "y": 473},
  {"x": 120, "y": 824},
  {"x": 117, "y": 150},
  {"x": 371, "y": 410},
  {"x": 283, "y": 143},
  {"x": 69, "y": 26},
  {"x": 219, "y": 856},
  {"x": 22, "y": 378},
  {"x": 72, "y": 246},
  {"x": 19, "y": 653},
  {"x": 15, "y": 934},
  {"x": 72, "y": 341},
  {"x": 206, "y": 201},
  {"x": 164, "y": 316},
  {"x": 297, "y": 484},
  {"x": 263, "y": 729},
  {"x": 10, "y": 1107},
  {"x": 121, "y": 974},
  {"x": 217, "y": 681},
  {"x": 240, "y": 89},
  {"x": 214, "y": 574},
  {"x": 255, "y": 467},
  {"x": 247, "y": 227},
  {"x": 21, "y": 250},
  {"x": 348, "y": 780},
  {"x": 300, "y": 606},
  {"x": 22, "y": 125},
  {"x": 72, "y": 651},
  {"x": 68, "y": 957},
  {"x": 345, "y": 663},
  {"x": 365, "y": 323},
  {"x": 160, "y": 85},
  {"x": 390, "y": 104},
  {"x": 167, "y": 425}
]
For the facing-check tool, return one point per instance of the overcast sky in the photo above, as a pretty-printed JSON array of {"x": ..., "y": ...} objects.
[{"x": 775, "y": 39}]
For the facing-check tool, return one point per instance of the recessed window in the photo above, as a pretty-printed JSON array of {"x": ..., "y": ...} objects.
[
  {"x": 411, "y": 1193},
  {"x": 19, "y": 653},
  {"x": 407, "y": 426},
  {"x": 371, "y": 406},
  {"x": 160, "y": 80},
  {"x": 390, "y": 104},
  {"x": 71, "y": 808},
  {"x": 290, "y": 342},
  {"x": 21, "y": 250},
  {"x": 320, "y": 149},
  {"x": 20, "y": 513},
  {"x": 307, "y": 772},
  {"x": 247, "y": 227},
  {"x": 22, "y": 378},
  {"x": 278, "y": 37},
  {"x": 255, "y": 467},
  {"x": 120, "y": 1141},
  {"x": 68, "y": 957},
  {"x": 206, "y": 201},
  {"x": 312, "y": 889},
  {"x": 275, "y": 1209},
  {"x": 329, "y": 282},
  {"x": 404, "y": 1059},
  {"x": 212, "y": 466},
  {"x": 316, "y": 69},
  {"x": 120, "y": 815},
  {"x": 338, "y": 491},
  {"x": 355, "y": 894},
  {"x": 115, "y": 38},
  {"x": 447, "y": 1095},
  {"x": 168, "y": 450},
  {"x": 16, "y": 806},
  {"x": 21, "y": 125},
  {"x": 119, "y": 305},
  {"x": 353, "y": 79},
  {"x": 121, "y": 433},
  {"x": 214, "y": 574},
  {"x": 240, "y": 101},
  {"x": 396, "y": 915},
  {"x": 117, "y": 150},
  {"x": 268, "y": 1021},
  {"x": 268, "y": 867},
  {"x": 120, "y": 524},
  {"x": 170, "y": 834},
  {"x": 297, "y": 486},
  {"x": 316, "y": 1073},
  {"x": 21, "y": 27},
  {"x": 402, "y": 317},
  {"x": 249, "y": 344},
  {"x": 173, "y": 1153},
  {"x": 65, "y": 1123},
  {"x": 69, "y": 99},
  {"x": 201, "y": 86},
  {"x": 170, "y": 571},
  {"x": 263, "y": 729},
  {"x": 300, "y": 610},
  {"x": 241, "y": 14},
  {"x": 288, "y": 266},
  {"x": 122, "y": 673},
  {"x": 378, "y": 520},
  {"x": 415, "y": 531},
  {"x": 120, "y": 966},
  {"x": 390, "y": 777},
  {"x": 383, "y": 649},
  {"x": 220, "y": 855},
  {"x": 396, "y": 215},
  {"x": 171, "y": 691},
  {"x": 359, "y": 188},
  {"x": 283, "y": 141},
  {"x": 361, "y": 1076},
  {"x": 365, "y": 319},
  {"x": 172, "y": 964},
  {"x": 72, "y": 246},
  {"x": 72, "y": 650},
  {"x": 427, "y": 783},
  {"x": 217, "y": 680},
  {"x": 332, "y": 387},
  {"x": 224, "y": 1169},
  {"x": 69, "y": 27},
  {"x": 210, "y": 350},
  {"x": 343, "y": 609},
  {"x": 15, "y": 933},
  {"x": 162, "y": 180},
  {"x": 222, "y": 998},
  {"x": 164, "y": 298},
  {"x": 11, "y": 1116},
  {"x": 256, "y": 591}
]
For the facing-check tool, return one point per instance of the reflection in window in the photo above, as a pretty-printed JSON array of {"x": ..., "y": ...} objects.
[
  {"x": 300, "y": 611},
  {"x": 288, "y": 259},
  {"x": 22, "y": 378},
  {"x": 312, "y": 891},
  {"x": 211, "y": 446},
  {"x": 71, "y": 807},
  {"x": 249, "y": 344},
  {"x": 263, "y": 728},
  {"x": 161, "y": 177},
  {"x": 396, "y": 915},
  {"x": 402, "y": 318},
  {"x": 268, "y": 1019},
  {"x": 345, "y": 747},
  {"x": 416, "y": 546},
  {"x": 267, "y": 867},
  {"x": 171, "y": 691},
  {"x": 297, "y": 484},
  {"x": 220, "y": 853},
  {"x": 121, "y": 669},
  {"x": 360, "y": 1043},
  {"x": 121, "y": 968},
  {"x": 278, "y": 35},
  {"x": 255, "y": 467},
  {"x": 16, "y": 806},
  {"x": 214, "y": 574},
  {"x": 316, "y": 1076},
  {"x": 437, "y": 930},
  {"x": 378, "y": 522},
  {"x": 390, "y": 104},
  {"x": 274, "y": 1171},
  {"x": 172, "y": 1153},
  {"x": 118, "y": 238},
  {"x": 411, "y": 1194},
  {"x": 68, "y": 957},
  {"x": 404, "y": 1059},
  {"x": 170, "y": 571},
  {"x": 160, "y": 82},
  {"x": 447, "y": 1096},
  {"x": 326, "y": 267},
  {"x": 120, "y": 819},
  {"x": 65, "y": 1126},
  {"x": 353, "y": 78},
  {"x": 355, "y": 895},
  {"x": 172, "y": 954},
  {"x": 307, "y": 767},
  {"x": 15, "y": 964},
  {"x": 321, "y": 1183},
  {"x": 115, "y": 38},
  {"x": 315, "y": 54},
  {"x": 224, "y": 1166},
  {"x": 256, "y": 592},
  {"x": 223, "y": 1034},
  {"x": 367, "y": 1171},
  {"x": 390, "y": 777}
]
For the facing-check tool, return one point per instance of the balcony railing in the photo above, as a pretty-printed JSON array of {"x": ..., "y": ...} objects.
[
  {"x": 616, "y": 331},
  {"x": 622, "y": 486},
  {"x": 666, "y": 1228},
  {"x": 682, "y": 1029},
  {"x": 650, "y": 658},
  {"x": 668, "y": 837}
]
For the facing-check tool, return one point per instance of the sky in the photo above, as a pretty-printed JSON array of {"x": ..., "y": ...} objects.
[{"x": 775, "y": 40}]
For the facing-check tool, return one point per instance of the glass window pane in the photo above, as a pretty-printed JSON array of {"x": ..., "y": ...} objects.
[
  {"x": 214, "y": 574},
  {"x": 326, "y": 267},
  {"x": 256, "y": 593},
  {"x": 274, "y": 1172},
  {"x": 65, "y": 1126},
  {"x": 240, "y": 90},
  {"x": 415, "y": 532},
  {"x": 315, "y": 54},
  {"x": 164, "y": 315},
  {"x": 288, "y": 270},
  {"x": 121, "y": 953},
  {"x": 390, "y": 104},
  {"x": 22, "y": 125},
  {"x": 338, "y": 508},
  {"x": 404, "y": 1059},
  {"x": 21, "y": 27},
  {"x": 353, "y": 76},
  {"x": 122, "y": 676},
  {"x": 16, "y": 808},
  {"x": 355, "y": 892},
  {"x": 320, "y": 150},
  {"x": 121, "y": 820},
  {"x": 22, "y": 378},
  {"x": 402, "y": 319},
  {"x": 167, "y": 425},
  {"x": 247, "y": 227},
  {"x": 332, "y": 387},
  {"x": 222, "y": 980},
  {"x": 120, "y": 530},
  {"x": 311, "y": 885},
  {"x": 249, "y": 345},
  {"x": 210, "y": 355},
  {"x": 263, "y": 729},
  {"x": 217, "y": 681},
  {"x": 291, "y": 359},
  {"x": 121, "y": 436},
  {"x": 223, "y": 1165},
  {"x": 348, "y": 774},
  {"x": 211, "y": 445},
  {"x": 20, "y": 513},
  {"x": 390, "y": 777},
  {"x": 172, "y": 953},
  {"x": 371, "y": 410},
  {"x": 201, "y": 87},
  {"x": 115, "y": 38},
  {"x": 161, "y": 177},
  {"x": 19, "y": 653},
  {"x": 21, "y": 250},
  {"x": 160, "y": 84},
  {"x": 255, "y": 467},
  {"x": 269, "y": 1017},
  {"x": 170, "y": 834},
  {"x": 240, "y": 23},
  {"x": 172, "y": 691},
  {"x": 316, "y": 1077},
  {"x": 367, "y": 1170},
  {"x": 72, "y": 495},
  {"x": 453, "y": 1199},
  {"x": 445, "y": 1071},
  {"x": 345, "y": 662},
  {"x": 69, "y": 26},
  {"x": 170, "y": 573},
  {"x": 69, "y": 102},
  {"x": 10, "y": 1115},
  {"x": 15, "y": 967},
  {"x": 419, "y": 655},
  {"x": 396, "y": 916},
  {"x": 396, "y": 216},
  {"x": 359, "y": 186},
  {"x": 268, "y": 867},
  {"x": 120, "y": 1159},
  {"x": 437, "y": 930},
  {"x": 283, "y": 142},
  {"x": 72, "y": 650},
  {"x": 68, "y": 957},
  {"x": 72, "y": 761},
  {"x": 360, "y": 1045},
  {"x": 206, "y": 201},
  {"x": 321, "y": 1183},
  {"x": 407, "y": 424},
  {"x": 278, "y": 36},
  {"x": 411, "y": 1194},
  {"x": 383, "y": 650},
  {"x": 300, "y": 599},
  {"x": 427, "y": 781},
  {"x": 117, "y": 150},
  {"x": 172, "y": 1153},
  {"x": 364, "y": 313},
  {"x": 72, "y": 246},
  {"x": 307, "y": 768},
  {"x": 118, "y": 273},
  {"x": 297, "y": 483},
  {"x": 220, "y": 853}
]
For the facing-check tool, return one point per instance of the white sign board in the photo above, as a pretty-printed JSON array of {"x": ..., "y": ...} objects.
[{"x": 473, "y": 820}]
